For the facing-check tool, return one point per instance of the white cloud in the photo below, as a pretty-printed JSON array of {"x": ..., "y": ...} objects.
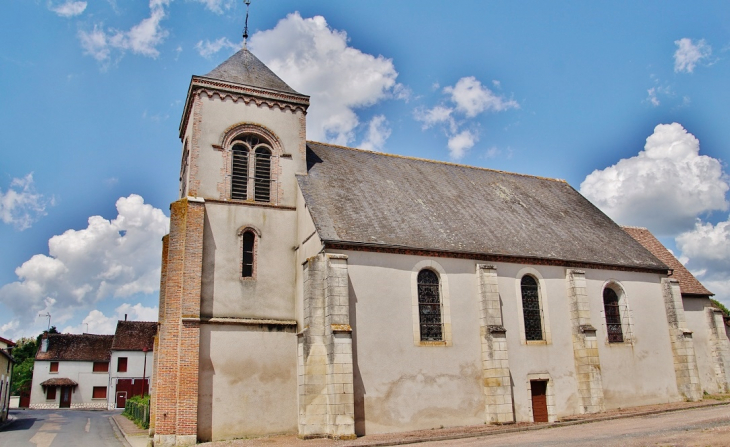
[
  {"x": 652, "y": 98},
  {"x": 460, "y": 143},
  {"x": 706, "y": 250},
  {"x": 316, "y": 60},
  {"x": 472, "y": 98},
  {"x": 689, "y": 54},
  {"x": 98, "y": 323},
  {"x": 109, "y": 258},
  {"x": 69, "y": 8},
  {"x": 378, "y": 133},
  {"x": 207, "y": 48},
  {"x": 216, "y": 6},
  {"x": 143, "y": 38},
  {"x": 665, "y": 187},
  {"x": 467, "y": 99},
  {"x": 21, "y": 205},
  {"x": 492, "y": 152}
]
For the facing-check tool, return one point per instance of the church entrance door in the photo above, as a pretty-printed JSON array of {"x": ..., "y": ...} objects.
[{"x": 539, "y": 400}]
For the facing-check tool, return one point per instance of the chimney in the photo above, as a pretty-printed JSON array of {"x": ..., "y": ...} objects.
[{"x": 125, "y": 317}]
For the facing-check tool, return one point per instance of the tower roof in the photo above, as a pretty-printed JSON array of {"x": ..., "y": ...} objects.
[{"x": 245, "y": 68}]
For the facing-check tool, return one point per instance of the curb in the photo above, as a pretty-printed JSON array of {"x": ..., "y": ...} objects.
[
  {"x": 530, "y": 427},
  {"x": 119, "y": 432}
]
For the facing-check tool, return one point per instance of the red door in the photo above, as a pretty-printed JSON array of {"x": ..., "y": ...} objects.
[
  {"x": 121, "y": 399},
  {"x": 65, "y": 397},
  {"x": 539, "y": 400},
  {"x": 24, "y": 399}
]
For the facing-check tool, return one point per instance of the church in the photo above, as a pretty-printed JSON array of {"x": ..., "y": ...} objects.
[{"x": 328, "y": 291}]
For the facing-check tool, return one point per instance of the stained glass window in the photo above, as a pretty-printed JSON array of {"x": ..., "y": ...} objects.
[
  {"x": 613, "y": 316},
  {"x": 531, "y": 308},
  {"x": 429, "y": 306}
]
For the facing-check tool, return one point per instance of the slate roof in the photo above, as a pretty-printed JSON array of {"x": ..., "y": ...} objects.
[
  {"x": 688, "y": 284},
  {"x": 85, "y": 347},
  {"x": 360, "y": 197},
  {"x": 59, "y": 381},
  {"x": 246, "y": 69},
  {"x": 134, "y": 336}
]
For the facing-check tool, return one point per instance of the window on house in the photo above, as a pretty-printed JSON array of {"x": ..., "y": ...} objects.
[
  {"x": 531, "y": 308},
  {"x": 54, "y": 367},
  {"x": 613, "y": 316},
  {"x": 248, "y": 254},
  {"x": 122, "y": 364},
  {"x": 429, "y": 306},
  {"x": 252, "y": 157},
  {"x": 51, "y": 393},
  {"x": 239, "y": 174},
  {"x": 99, "y": 392},
  {"x": 101, "y": 367}
]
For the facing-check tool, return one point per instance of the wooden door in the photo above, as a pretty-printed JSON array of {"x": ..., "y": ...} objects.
[
  {"x": 65, "y": 397},
  {"x": 121, "y": 399},
  {"x": 24, "y": 399},
  {"x": 539, "y": 400}
]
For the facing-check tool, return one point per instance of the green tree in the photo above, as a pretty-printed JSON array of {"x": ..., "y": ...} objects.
[
  {"x": 24, "y": 355},
  {"x": 721, "y": 307}
]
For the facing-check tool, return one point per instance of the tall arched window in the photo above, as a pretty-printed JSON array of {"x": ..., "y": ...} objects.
[
  {"x": 531, "y": 308},
  {"x": 613, "y": 316},
  {"x": 239, "y": 172},
  {"x": 247, "y": 264},
  {"x": 262, "y": 175},
  {"x": 251, "y": 160},
  {"x": 429, "y": 306}
]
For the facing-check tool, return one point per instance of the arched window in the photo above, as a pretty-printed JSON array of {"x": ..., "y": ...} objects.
[
  {"x": 251, "y": 159},
  {"x": 613, "y": 316},
  {"x": 239, "y": 172},
  {"x": 531, "y": 308},
  {"x": 247, "y": 264},
  {"x": 429, "y": 306},
  {"x": 262, "y": 174}
]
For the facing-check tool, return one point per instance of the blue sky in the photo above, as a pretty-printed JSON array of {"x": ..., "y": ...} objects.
[{"x": 92, "y": 95}]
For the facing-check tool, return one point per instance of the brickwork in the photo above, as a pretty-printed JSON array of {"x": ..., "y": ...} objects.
[
  {"x": 585, "y": 345},
  {"x": 497, "y": 384},
  {"x": 177, "y": 353},
  {"x": 685, "y": 363},
  {"x": 326, "y": 398},
  {"x": 720, "y": 348},
  {"x": 160, "y": 320}
]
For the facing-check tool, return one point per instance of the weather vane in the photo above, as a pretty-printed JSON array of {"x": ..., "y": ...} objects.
[{"x": 245, "y": 28}]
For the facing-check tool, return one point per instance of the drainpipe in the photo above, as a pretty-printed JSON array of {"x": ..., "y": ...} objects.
[{"x": 144, "y": 372}]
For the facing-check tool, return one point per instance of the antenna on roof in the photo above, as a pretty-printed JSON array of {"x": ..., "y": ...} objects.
[
  {"x": 245, "y": 28},
  {"x": 47, "y": 314}
]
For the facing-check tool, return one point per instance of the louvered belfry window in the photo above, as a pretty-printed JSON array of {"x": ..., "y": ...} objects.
[
  {"x": 531, "y": 308},
  {"x": 248, "y": 256},
  {"x": 429, "y": 306},
  {"x": 251, "y": 169},
  {"x": 613, "y": 316},
  {"x": 262, "y": 175},
  {"x": 239, "y": 174}
]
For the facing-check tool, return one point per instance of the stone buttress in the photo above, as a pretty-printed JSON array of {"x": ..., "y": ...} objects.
[
  {"x": 496, "y": 381},
  {"x": 176, "y": 363},
  {"x": 326, "y": 398},
  {"x": 720, "y": 345},
  {"x": 685, "y": 363},
  {"x": 585, "y": 345}
]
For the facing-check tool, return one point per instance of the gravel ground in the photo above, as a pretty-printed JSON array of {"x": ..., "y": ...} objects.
[{"x": 719, "y": 433}]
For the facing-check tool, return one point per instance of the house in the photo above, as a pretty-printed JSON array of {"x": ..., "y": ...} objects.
[
  {"x": 131, "y": 361},
  {"x": 71, "y": 371},
  {"x": 709, "y": 332},
  {"x": 329, "y": 291},
  {"x": 6, "y": 373}
]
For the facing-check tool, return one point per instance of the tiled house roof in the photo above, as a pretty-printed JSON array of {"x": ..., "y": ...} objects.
[
  {"x": 86, "y": 347},
  {"x": 363, "y": 198},
  {"x": 688, "y": 284},
  {"x": 134, "y": 336},
  {"x": 7, "y": 342},
  {"x": 59, "y": 381}
]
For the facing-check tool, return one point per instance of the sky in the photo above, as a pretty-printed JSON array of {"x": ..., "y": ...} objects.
[{"x": 626, "y": 102}]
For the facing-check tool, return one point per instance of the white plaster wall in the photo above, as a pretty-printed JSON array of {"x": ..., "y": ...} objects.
[
  {"x": 4, "y": 388},
  {"x": 640, "y": 372},
  {"x": 80, "y": 372},
  {"x": 271, "y": 293},
  {"x": 695, "y": 313},
  {"x": 218, "y": 115},
  {"x": 135, "y": 369},
  {"x": 308, "y": 244},
  {"x": 400, "y": 386},
  {"x": 247, "y": 383}
]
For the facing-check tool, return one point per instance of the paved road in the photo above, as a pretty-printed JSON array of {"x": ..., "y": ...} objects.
[
  {"x": 60, "y": 428},
  {"x": 699, "y": 427}
]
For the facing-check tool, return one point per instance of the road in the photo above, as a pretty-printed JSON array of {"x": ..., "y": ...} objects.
[
  {"x": 60, "y": 428},
  {"x": 699, "y": 427}
]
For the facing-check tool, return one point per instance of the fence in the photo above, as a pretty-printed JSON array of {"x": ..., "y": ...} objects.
[{"x": 138, "y": 412}]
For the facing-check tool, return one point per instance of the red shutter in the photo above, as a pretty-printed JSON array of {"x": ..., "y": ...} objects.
[
  {"x": 54, "y": 367},
  {"x": 122, "y": 364},
  {"x": 99, "y": 392},
  {"x": 101, "y": 367},
  {"x": 51, "y": 393}
]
